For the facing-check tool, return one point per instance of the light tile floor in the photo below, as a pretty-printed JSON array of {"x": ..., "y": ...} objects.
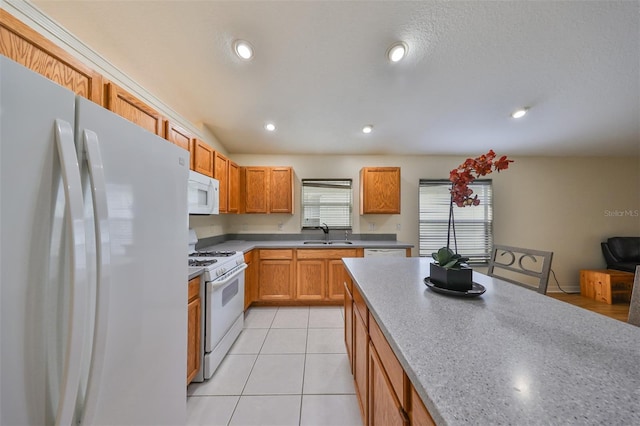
[{"x": 288, "y": 367}]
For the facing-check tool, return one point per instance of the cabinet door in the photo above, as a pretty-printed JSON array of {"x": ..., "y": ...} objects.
[
  {"x": 360, "y": 362},
  {"x": 275, "y": 280},
  {"x": 311, "y": 279},
  {"x": 220, "y": 172},
  {"x": 419, "y": 414},
  {"x": 194, "y": 312},
  {"x": 202, "y": 157},
  {"x": 234, "y": 188},
  {"x": 384, "y": 407},
  {"x": 281, "y": 190},
  {"x": 256, "y": 189},
  {"x": 178, "y": 136},
  {"x": 338, "y": 278},
  {"x": 250, "y": 282},
  {"x": 380, "y": 190},
  {"x": 128, "y": 106},
  {"x": 28, "y": 48},
  {"x": 348, "y": 325}
]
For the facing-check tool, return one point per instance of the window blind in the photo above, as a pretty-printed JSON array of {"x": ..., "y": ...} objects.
[
  {"x": 473, "y": 224},
  {"x": 327, "y": 201}
]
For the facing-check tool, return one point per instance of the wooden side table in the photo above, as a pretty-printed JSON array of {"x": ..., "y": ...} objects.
[{"x": 606, "y": 285}]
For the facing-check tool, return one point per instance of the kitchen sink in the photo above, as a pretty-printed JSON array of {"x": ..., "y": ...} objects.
[{"x": 326, "y": 242}]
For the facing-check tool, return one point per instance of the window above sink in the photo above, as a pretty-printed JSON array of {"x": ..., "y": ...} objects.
[{"x": 326, "y": 201}]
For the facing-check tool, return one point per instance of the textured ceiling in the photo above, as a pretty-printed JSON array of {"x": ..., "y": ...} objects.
[{"x": 320, "y": 72}]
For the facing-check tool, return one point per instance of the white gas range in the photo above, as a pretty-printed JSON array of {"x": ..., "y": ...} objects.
[{"x": 222, "y": 295}]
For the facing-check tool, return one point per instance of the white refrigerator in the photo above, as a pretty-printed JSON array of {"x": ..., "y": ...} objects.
[{"x": 93, "y": 269}]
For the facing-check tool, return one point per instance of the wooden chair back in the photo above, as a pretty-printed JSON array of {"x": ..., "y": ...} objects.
[
  {"x": 634, "y": 307},
  {"x": 525, "y": 267}
]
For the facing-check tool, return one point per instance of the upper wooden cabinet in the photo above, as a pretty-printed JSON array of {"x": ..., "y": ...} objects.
[
  {"x": 25, "y": 46},
  {"x": 281, "y": 190},
  {"x": 233, "y": 197},
  {"x": 178, "y": 136},
  {"x": 202, "y": 157},
  {"x": 221, "y": 172},
  {"x": 126, "y": 105},
  {"x": 380, "y": 190},
  {"x": 267, "y": 190}
]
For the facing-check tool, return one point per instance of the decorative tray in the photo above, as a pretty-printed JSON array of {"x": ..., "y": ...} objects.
[{"x": 476, "y": 289}]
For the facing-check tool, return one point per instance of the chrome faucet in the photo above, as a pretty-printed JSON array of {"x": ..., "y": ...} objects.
[{"x": 325, "y": 229}]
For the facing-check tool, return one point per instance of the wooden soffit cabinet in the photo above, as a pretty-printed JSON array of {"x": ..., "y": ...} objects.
[
  {"x": 27, "y": 47},
  {"x": 133, "y": 109},
  {"x": 178, "y": 136}
]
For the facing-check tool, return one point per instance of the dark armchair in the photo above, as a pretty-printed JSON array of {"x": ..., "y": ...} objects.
[{"x": 622, "y": 253}]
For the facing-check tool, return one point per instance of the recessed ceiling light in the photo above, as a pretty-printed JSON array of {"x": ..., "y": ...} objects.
[
  {"x": 519, "y": 113},
  {"x": 243, "y": 49},
  {"x": 397, "y": 51},
  {"x": 270, "y": 127},
  {"x": 367, "y": 129}
]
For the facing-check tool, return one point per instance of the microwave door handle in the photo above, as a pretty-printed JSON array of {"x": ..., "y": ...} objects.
[
  {"x": 72, "y": 366},
  {"x": 103, "y": 264}
]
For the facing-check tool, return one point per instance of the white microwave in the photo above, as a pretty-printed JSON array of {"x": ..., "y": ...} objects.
[{"x": 203, "y": 194}]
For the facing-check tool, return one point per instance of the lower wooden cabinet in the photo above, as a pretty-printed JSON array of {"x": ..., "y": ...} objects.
[
  {"x": 320, "y": 273},
  {"x": 194, "y": 312},
  {"x": 360, "y": 362},
  {"x": 419, "y": 414},
  {"x": 348, "y": 325},
  {"x": 385, "y": 394},
  {"x": 384, "y": 407},
  {"x": 250, "y": 281},
  {"x": 276, "y": 275}
]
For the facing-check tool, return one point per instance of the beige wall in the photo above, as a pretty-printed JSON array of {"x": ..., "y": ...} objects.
[{"x": 565, "y": 205}]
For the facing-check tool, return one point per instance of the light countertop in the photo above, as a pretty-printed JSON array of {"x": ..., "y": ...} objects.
[
  {"x": 510, "y": 356},
  {"x": 245, "y": 246}
]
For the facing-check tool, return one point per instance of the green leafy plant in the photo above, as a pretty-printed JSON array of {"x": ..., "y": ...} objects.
[{"x": 446, "y": 258}]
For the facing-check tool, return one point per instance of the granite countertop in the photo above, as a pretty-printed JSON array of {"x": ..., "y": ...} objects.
[
  {"x": 510, "y": 356},
  {"x": 245, "y": 246}
]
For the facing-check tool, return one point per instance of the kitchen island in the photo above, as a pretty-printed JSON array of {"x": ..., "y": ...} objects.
[{"x": 510, "y": 356}]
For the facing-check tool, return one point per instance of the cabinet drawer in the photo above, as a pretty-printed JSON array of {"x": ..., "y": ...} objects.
[
  {"x": 389, "y": 361},
  {"x": 361, "y": 306},
  {"x": 276, "y": 254},
  {"x": 194, "y": 288},
  {"x": 325, "y": 253}
]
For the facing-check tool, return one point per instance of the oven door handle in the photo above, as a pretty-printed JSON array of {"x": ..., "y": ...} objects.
[{"x": 216, "y": 284}]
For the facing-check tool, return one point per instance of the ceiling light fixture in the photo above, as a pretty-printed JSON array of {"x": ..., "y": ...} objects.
[
  {"x": 367, "y": 129},
  {"x": 397, "y": 51},
  {"x": 243, "y": 49},
  {"x": 270, "y": 127},
  {"x": 519, "y": 113}
]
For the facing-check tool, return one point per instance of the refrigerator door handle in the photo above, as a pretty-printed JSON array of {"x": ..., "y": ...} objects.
[
  {"x": 72, "y": 365},
  {"x": 103, "y": 262}
]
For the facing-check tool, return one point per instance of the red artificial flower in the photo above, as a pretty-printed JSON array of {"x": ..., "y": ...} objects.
[{"x": 462, "y": 176}]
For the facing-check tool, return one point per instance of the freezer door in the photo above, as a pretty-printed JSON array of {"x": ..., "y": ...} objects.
[
  {"x": 37, "y": 271},
  {"x": 139, "y": 377}
]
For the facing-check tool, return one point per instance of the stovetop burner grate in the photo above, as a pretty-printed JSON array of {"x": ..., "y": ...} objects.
[
  {"x": 196, "y": 262},
  {"x": 212, "y": 254}
]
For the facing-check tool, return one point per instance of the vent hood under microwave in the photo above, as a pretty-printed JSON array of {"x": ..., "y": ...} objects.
[{"x": 203, "y": 194}]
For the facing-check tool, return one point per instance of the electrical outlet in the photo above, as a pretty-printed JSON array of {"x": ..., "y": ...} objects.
[
  {"x": 372, "y": 226},
  {"x": 398, "y": 227},
  {"x": 280, "y": 226}
]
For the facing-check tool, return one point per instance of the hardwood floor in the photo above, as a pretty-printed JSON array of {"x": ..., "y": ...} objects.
[{"x": 619, "y": 311}]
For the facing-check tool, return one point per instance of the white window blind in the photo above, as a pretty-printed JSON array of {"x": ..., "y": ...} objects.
[
  {"x": 327, "y": 201},
  {"x": 473, "y": 224}
]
